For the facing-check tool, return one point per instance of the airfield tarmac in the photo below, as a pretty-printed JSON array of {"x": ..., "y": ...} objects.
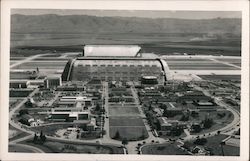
[{"x": 181, "y": 67}]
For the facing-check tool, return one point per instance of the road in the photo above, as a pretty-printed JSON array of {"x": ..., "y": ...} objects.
[
  {"x": 131, "y": 146},
  {"x": 105, "y": 140},
  {"x": 17, "y": 107}
]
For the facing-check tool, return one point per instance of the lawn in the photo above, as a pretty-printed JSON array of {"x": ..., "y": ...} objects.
[
  {"x": 20, "y": 149},
  {"x": 218, "y": 122},
  {"x": 42, "y": 65},
  {"x": 194, "y": 65},
  {"x": 221, "y": 77},
  {"x": 51, "y": 129},
  {"x": 21, "y": 75},
  {"x": 213, "y": 143},
  {"x": 19, "y": 92},
  {"x": 131, "y": 128},
  {"x": 19, "y": 134},
  {"x": 13, "y": 103},
  {"x": 129, "y": 132},
  {"x": 163, "y": 149},
  {"x": 127, "y": 111},
  {"x": 52, "y": 146},
  {"x": 125, "y": 121}
]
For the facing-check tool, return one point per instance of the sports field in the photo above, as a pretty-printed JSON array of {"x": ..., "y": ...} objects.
[
  {"x": 123, "y": 111},
  {"x": 125, "y": 121},
  {"x": 131, "y": 128}
]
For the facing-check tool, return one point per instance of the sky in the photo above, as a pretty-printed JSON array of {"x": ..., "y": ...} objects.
[{"x": 133, "y": 13}]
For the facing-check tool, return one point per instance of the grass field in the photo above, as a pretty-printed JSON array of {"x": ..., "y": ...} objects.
[
  {"x": 221, "y": 77},
  {"x": 20, "y": 75},
  {"x": 51, "y": 146},
  {"x": 129, "y": 132},
  {"x": 125, "y": 121},
  {"x": 131, "y": 128},
  {"x": 159, "y": 43},
  {"x": 19, "y": 134},
  {"x": 234, "y": 60},
  {"x": 163, "y": 149},
  {"x": 20, "y": 149},
  {"x": 121, "y": 111},
  {"x": 46, "y": 58},
  {"x": 198, "y": 65},
  {"x": 218, "y": 122},
  {"x": 42, "y": 65},
  {"x": 51, "y": 129},
  {"x": 19, "y": 93},
  {"x": 213, "y": 143}
]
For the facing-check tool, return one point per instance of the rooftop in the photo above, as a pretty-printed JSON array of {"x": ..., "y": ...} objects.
[{"x": 111, "y": 50}]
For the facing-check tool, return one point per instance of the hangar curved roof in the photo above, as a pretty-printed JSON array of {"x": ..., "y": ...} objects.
[{"x": 111, "y": 50}]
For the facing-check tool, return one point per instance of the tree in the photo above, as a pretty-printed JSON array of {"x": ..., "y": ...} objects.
[
  {"x": 185, "y": 117},
  {"x": 97, "y": 107},
  {"x": 35, "y": 138},
  {"x": 150, "y": 106},
  {"x": 207, "y": 123},
  {"x": 201, "y": 141},
  {"x": 221, "y": 145},
  {"x": 117, "y": 135},
  {"x": 23, "y": 111},
  {"x": 125, "y": 141},
  {"x": 176, "y": 131},
  {"x": 42, "y": 137},
  {"x": 194, "y": 114}
]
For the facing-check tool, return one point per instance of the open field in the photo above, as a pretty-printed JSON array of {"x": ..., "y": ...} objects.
[
  {"x": 197, "y": 65},
  {"x": 52, "y": 128},
  {"x": 51, "y": 146},
  {"x": 221, "y": 77},
  {"x": 163, "y": 149},
  {"x": 20, "y": 149},
  {"x": 19, "y": 93},
  {"x": 42, "y": 65},
  {"x": 14, "y": 58},
  {"x": 121, "y": 111},
  {"x": 129, "y": 132},
  {"x": 21, "y": 75},
  {"x": 213, "y": 143},
  {"x": 17, "y": 134},
  {"x": 46, "y": 58},
  {"x": 125, "y": 121},
  {"x": 131, "y": 128},
  {"x": 159, "y": 43}
]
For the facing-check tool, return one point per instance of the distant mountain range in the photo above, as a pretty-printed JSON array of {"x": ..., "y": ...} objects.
[{"x": 91, "y": 24}]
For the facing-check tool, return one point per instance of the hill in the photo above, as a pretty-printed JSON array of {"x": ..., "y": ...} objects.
[{"x": 92, "y": 24}]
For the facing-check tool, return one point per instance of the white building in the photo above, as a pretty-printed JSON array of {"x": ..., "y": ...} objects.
[{"x": 52, "y": 82}]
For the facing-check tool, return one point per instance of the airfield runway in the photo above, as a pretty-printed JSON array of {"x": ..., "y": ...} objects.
[{"x": 179, "y": 66}]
